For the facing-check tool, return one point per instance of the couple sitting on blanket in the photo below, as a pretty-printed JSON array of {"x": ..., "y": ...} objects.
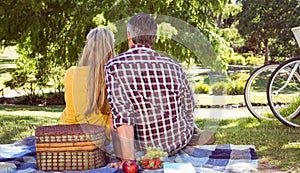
[{"x": 144, "y": 95}]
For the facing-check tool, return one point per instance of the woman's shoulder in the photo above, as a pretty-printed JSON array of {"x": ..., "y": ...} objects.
[{"x": 77, "y": 69}]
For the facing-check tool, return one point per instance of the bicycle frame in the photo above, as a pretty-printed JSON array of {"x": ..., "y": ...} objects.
[{"x": 288, "y": 80}]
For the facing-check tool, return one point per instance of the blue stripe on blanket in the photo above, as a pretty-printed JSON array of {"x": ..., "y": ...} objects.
[
  {"x": 253, "y": 154},
  {"x": 207, "y": 158},
  {"x": 18, "y": 149}
]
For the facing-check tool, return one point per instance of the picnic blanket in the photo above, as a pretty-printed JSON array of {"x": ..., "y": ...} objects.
[{"x": 20, "y": 157}]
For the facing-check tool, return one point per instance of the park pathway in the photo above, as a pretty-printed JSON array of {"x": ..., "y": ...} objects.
[{"x": 222, "y": 113}]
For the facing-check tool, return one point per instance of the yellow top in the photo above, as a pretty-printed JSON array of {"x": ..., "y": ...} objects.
[{"x": 76, "y": 101}]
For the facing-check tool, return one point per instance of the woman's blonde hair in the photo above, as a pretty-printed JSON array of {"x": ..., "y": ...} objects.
[{"x": 98, "y": 49}]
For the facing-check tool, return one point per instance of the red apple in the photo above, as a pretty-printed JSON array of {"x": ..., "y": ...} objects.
[{"x": 130, "y": 167}]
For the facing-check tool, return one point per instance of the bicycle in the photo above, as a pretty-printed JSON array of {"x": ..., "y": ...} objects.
[
  {"x": 255, "y": 92},
  {"x": 261, "y": 86},
  {"x": 283, "y": 90}
]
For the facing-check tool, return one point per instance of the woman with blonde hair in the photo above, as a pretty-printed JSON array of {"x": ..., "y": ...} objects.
[{"x": 85, "y": 89}]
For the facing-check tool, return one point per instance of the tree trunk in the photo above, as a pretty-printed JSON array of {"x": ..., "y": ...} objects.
[
  {"x": 220, "y": 20},
  {"x": 266, "y": 44}
]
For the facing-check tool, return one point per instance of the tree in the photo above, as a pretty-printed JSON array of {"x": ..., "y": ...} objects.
[
  {"x": 57, "y": 28},
  {"x": 263, "y": 20},
  {"x": 49, "y": 34},
  {"x": 52, "y": 33},
  {"x": 53, "y": 30},
  {"x": 199, "y": 14}
]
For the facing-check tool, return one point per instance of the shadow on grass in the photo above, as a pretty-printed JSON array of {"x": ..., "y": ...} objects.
[
  {"x": 275, "y": 142},
  {"x": 54, "y": 108},
  {"x": 6, "y": 60},
  {"x": 6, "y": 70}
]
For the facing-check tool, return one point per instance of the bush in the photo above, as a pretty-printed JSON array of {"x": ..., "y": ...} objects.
[
  {"x": 202, "y": 88},
  {"x": 206, "y": 80},
  {"x": 240, "y": 77},
  {"x": 236, "y": 88},
  {"x": 237, "y": 84},
  {"x": 231, "y": 88},
  {"x": 236, "y": 60},
  {"x": 220, "y": 88},
  {"x": 257, "y": 61}
]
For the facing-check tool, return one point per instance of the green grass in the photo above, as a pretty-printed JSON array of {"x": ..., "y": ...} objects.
[
  {"x": 275, "y": 143},
  {"x": 20, "y": 121},
  {"x": 26, "y": 110},
  {"x": 15, "y": 127},
  {"x": 29, "y": 108}
]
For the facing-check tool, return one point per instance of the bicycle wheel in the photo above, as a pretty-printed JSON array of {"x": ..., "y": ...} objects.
[
  {"x": 255, "y": 92},
  {"x": 283, "y": 92}
]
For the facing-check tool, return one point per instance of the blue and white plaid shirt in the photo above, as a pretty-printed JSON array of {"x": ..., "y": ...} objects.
[{"x": 151, "y": 92}]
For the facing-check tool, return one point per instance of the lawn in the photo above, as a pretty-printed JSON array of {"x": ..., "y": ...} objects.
[
  {"x": 35, "y": 111},
  {"x": 275, "y": 143},
  {"x": 20, "y": 121},
  {"x": 16, "y": 127}
]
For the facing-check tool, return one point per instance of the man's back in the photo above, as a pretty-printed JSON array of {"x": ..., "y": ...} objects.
[{"x": 151, "y": 92}]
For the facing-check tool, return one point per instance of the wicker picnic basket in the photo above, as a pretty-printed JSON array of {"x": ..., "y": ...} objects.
[{"x": 70, "y": 147}]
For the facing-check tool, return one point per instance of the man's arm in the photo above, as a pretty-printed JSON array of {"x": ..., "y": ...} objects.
[
  {"x": 125, "y": 144},
  {"x": 188, "y": 96},
  {"x": 121, "y": 116},
  {"x": 126, "y": 136}
]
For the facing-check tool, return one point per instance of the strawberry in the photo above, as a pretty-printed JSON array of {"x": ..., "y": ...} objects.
[
  {"x": 157, "y": 161},
  {"x": 145, "y": 161}
]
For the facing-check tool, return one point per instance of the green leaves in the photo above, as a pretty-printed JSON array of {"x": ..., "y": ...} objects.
[
  {"x": 262, "y": 20},
  {"x": 52, "y": 32},
  {"x": 49, "y": 34}
]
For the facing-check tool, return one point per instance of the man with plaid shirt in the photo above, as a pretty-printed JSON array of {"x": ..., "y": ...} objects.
[{"x": 149, "y": 94}]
